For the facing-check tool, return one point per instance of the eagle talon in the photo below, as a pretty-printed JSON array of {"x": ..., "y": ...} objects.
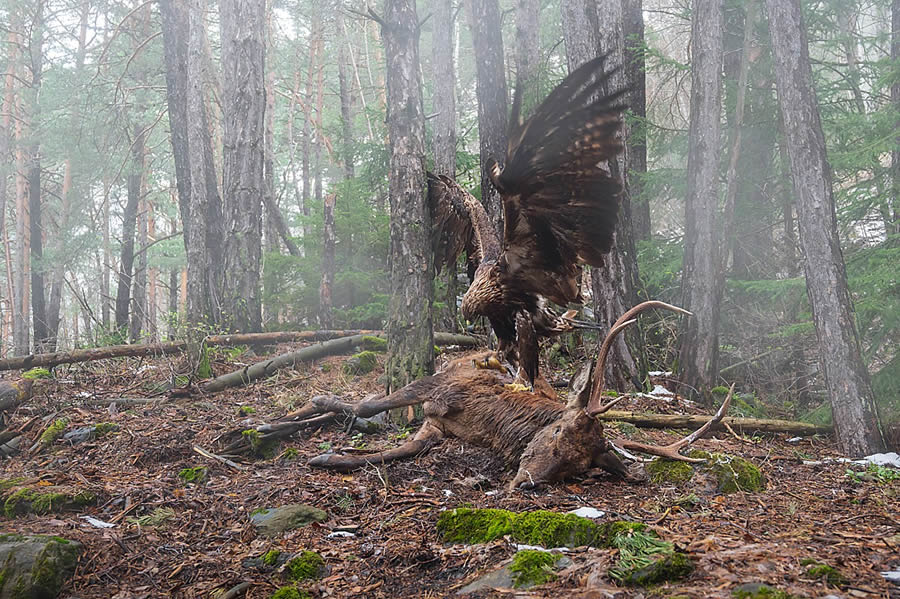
[
  {"x": 518, "y": 387},
  {"x": 492, "y": 362}
]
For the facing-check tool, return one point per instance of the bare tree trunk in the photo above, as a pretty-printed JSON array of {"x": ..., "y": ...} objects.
[
  {"x": 38, "y": 304},
  {"x": 129, "y": 221},
  {"x": 139, "y": 309},
  {"x": 204, "y": 277},
  {"x": 409, "y": 326},
  {"x": 152, "y": 329},
  {"x": 698, "y": 339},
  {"x": 59, "y": 268},
  {"x": 637, "y": 101},
  {"x": 490, "y": 88},
  {"x": 326, "y": 319},
  {"x": 306, "y": 145},
  {"x": 345, "y": 88},
  {"x": 444, "y": 131},
  {"x": 846, "y": 377},
  {"x": 176, "y": 33},
  {"x": 528, "y": 53},
  {"x": 243, "y": 26},
  {"x": 21, "y": 330},
  {"x": 107, "y": 262},
  {"x": 895, "y": 101},
  {"x": 6, "y": 134}
]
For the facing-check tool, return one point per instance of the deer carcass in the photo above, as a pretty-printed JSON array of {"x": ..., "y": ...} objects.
[{"x": 544, "y": 439}]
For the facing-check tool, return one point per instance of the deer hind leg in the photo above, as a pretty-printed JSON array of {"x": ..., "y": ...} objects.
[{"x": 426, "y": 437}]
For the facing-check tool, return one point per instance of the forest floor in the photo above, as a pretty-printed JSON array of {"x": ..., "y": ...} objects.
[{"x": 806, "y": 511}]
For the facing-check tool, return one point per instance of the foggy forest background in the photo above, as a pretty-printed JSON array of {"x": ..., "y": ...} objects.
[{"x": 92, "y": 225}]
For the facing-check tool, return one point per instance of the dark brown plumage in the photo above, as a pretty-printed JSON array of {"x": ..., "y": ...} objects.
[{"x": 560, "y": 204}]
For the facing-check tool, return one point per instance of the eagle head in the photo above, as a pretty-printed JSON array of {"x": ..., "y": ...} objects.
[{"x": 484, "y": 292}]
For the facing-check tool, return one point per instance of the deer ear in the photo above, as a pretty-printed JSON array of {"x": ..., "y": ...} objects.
[{"x": 580, "y": 385}]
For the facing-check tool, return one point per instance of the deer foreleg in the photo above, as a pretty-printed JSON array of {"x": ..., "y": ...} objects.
[{"x": 425, "y": 438}]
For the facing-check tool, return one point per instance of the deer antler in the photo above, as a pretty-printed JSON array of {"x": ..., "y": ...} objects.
[
  {"x": 592, "y": 406},
  {"x": 671, "y": 451}
]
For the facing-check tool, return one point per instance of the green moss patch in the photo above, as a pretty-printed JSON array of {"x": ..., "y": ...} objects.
[
  {"x": 820, "y": 571},
  {"x": 531, "y": 567},
  {"x": 270, "y": 557},
  {"x": 372, "y": 343},
  {"x": 156, "y": 518},
  {"x": 104, "y": 428},
  {"x": 37, "y": 373},
  {"x": 54, "y": 432},
  {"x": 760, "y": 591},
  {"x": 308, "y": 565},
  {"x": 541, "y": 527},
  {"x": 246, "y": 410},
  {"x": 263, "y": 448},
  {"x": 663, "y": 471},
  {"x": 196, "y": 475},
  {"x": 290, "y": 593},
  {"x": 362, "y": 363},
  {"x": 44, "y": 500},
  {"x": 732, "y": 473}
]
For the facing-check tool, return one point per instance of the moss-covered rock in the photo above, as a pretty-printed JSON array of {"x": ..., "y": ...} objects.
[
  {"x": 757, "y": 590},
  {"x": 372, "y": 343},
  {"x": 362, "y": 363},
  {"x": 663, "y": 471},
  {"x": 819, "y": 571},
  {"x": 44, "y": 500},
  {"x": 196, "y": 475},
  {"x": 308, "y": 565},
  {"x": 732, "y": 473},
  {"x": 54, "y": 432},
  {"x": 35, "y": 566},
  {"x": 270, "y": 557},
  {"x": 549, "y": 529},
  {"x": 531, "y": 568}
]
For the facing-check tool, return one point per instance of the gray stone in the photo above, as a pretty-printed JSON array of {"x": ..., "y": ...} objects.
[
  {"x": 35, "y": 566},
  {"x": 88, "y": 433},
  {"x": 502, "y": 578},
  {"x": 287, "y": 517}
]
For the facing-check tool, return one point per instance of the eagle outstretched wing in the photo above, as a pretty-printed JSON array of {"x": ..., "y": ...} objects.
[
  {"x": 560, "y": 199},
  {"x": 459, "y": 223}
]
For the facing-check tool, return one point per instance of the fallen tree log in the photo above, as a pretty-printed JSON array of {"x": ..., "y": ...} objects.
[
  {"x": 763, "y": 425},
  {"x": 342, "y": 345},
  {"x": 174, "y": 347}
]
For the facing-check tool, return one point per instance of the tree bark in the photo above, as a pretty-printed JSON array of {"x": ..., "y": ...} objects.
[
  {"x": 490, "y": 89},
  {"x": 846, "y": 378},
  {"x": 139, "y": 302},
  {"x": 176, "y": 34},
  {"x": 409, "y": 325},
  {"x": 326, "y": 318},
  {"x": 345, "y": 88},
  {"x": 205, "y": 220},
  {"x": 243, "y": 25},
  {"x": 129, "y": 221},
  {"x": 895, "y": 101},
  {"x": 528, "y": 54},
  {"x": 21, "y": 331},
  {"x": 38, "y": 297},
  {"x": 444, "y": 126},
  {"x": 698, "y": 341},
  {"x": 636, "y": 141},
  {"x": 6, "y": 134}
]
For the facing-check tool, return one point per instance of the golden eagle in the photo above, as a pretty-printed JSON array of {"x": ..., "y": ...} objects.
[{"x": 560, "y": 204}]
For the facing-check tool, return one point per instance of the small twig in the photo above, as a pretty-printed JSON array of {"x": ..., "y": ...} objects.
[
  {"x": 218, "y": 458},
  {"x": 659, "y": 520}
]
